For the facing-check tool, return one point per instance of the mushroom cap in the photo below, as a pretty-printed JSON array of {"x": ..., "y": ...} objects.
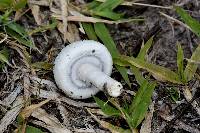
[{"x": 69, "y": 60}]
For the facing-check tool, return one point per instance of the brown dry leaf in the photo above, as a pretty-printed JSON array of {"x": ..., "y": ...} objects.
[
  {"x": 36, "y": 13},
  {"x": 12, "y": 96},
  {"x": 188, "y": 96},
  {"x": 69, "y": 34},
  {"x": 40, "y": 2},
  {"x": 3, "y": 37},
  {"x": 21, "y": 51},
  {"x": 98, "y": 112},
  {"x": 51, "y": 122},
  {"x": 83, "y": 19},
  {"x": 42, "y": 115},
  {"x": 50, "y": 128},
  {"x": 11, "y": 115},
  {"x": 55, "y": 12},
  {"x": 65, "y": 114},
  {"x": 18, "y": 14},
  {"x": 64, "y": 14},
  {"x": 74, "y": 30},
  {"x": 26, "y": 112},
  {"x": 181, "y": 125},
  {"x": 146, "y": 125},
  {"x": 27, "y": 91},
  {"x": 77, "y": 16}
]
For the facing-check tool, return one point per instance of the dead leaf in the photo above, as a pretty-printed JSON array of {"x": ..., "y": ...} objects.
[
  {"x": 42, "y": 115},
  {"x": 27, "y": 91},
  {"x": 11, "y": 115},
  {"x": 12, "y": 96},
  {"x": 64, "y": 14},
  {"x": 146, "y": 124},
  {"x": 51, "y": 122},
  {"x": 40, "y": 2},
  {"x": 50, "y": 128},
  {"x": 36, "y": 13},
  {"x": 188, "y": 97},
  {"x": 69, "y": 34},
  {"x": 26, "y": 112}
]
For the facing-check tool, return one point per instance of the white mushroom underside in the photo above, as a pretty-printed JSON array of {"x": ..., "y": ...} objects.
[
  {"x": 92, "y": 75},
  {"x": 70, "y": 59}
]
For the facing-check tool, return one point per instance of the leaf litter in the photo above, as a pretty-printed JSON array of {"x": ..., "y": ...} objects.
[{"x": 39, "y": 83}]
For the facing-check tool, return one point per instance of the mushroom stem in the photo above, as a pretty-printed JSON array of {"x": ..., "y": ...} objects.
[{"x": 93, "y": 75}]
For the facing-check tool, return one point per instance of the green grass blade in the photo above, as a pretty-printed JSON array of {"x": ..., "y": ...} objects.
[
  {"x": 4, "y": 56},
  {"x": 123, "y": 72},
  {"x": 138, "y": 96},
  {"x": 180, "y": 58},
  {"x": 31, "y": 129},
  {"x": 44, "y": 28},
  {"x": 144, "y": 50},
  {"x": 174, "y": 94},
  {"x": 20, "y": 4},
  {"x": 191, "y": 22},
  {"x": 93, "y": 4},
  {"x": 89, "y": 30},
  {"x": 160, "y": 72},
  {"x": 21, "y": 39},
  {"x": 138, "y": 75},
  {"x": 4, "y": 18},
  {"x": 108, "y": 14},
  {"x": 140, "y": 104},
  {"x": 108, "y": 4},
  {"x": 141, "y": 56},
  {"x": 191, "y": 67},
  {"x": 17, "y": 28},
  {"x": 103, "y": 33},
  {"x": 19, "y": 33},
  {"x": 107, "y": 109},
  {"x": 5, "y": 4}
]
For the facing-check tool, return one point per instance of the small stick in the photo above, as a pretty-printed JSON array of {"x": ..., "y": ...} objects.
[{"x": 175, "y": 20}]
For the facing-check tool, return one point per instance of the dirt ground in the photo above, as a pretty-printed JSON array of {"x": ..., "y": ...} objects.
[{"x": 168, "y": 116}]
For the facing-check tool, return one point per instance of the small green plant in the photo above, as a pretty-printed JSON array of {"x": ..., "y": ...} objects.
[
  {"x": 135, "y": 112},
  {"x": 191, "y": 66},
  {"x": 4, "y": 54},
  {"x": 14, "y": 30},
  {"x": 191, "y": 22},
  {"x": 161, "y": 73},
  {"x": 12, "y": 4},
  {"x": 17, "y": 32},
  {"x": 99, "y": 31},
  {"x": 174, "y": 94}
]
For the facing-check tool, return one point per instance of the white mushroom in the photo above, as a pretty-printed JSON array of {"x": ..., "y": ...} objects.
[{"x": 83, "y": 68}]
